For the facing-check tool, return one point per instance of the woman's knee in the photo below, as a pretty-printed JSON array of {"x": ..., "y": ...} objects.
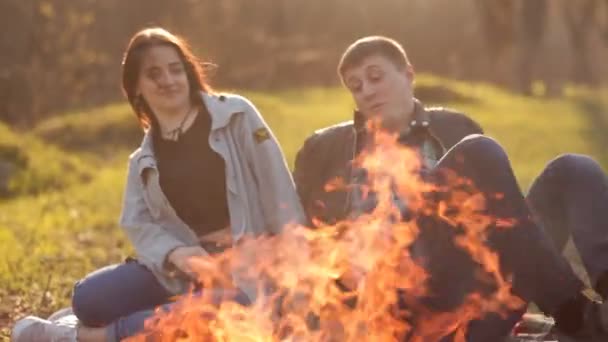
[
  {"x": 115, "y": 291},
  {"x": 88, "y": 300},
  {"x": 85, "y": 304}
]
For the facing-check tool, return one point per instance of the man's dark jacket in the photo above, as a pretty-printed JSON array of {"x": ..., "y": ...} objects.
[{"x": 327, "y": 156}]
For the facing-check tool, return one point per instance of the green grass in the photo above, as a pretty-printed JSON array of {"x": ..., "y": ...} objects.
[
  {"x": 62, "y": 222},
  {"x": 37, "y": 166},
  {"x": 535, "y": 130},
  {"x": 95, "y": 135}
]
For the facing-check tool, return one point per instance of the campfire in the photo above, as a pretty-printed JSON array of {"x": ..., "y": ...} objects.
[{"x": 353, "y": 281}]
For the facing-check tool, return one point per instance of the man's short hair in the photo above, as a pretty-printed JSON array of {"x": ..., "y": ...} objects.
[{"x": 369, "y": 46}]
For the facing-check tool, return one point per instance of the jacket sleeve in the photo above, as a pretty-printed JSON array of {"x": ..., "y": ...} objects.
[
  {"x": 279, "y": 200},
  {"x": 152, "y": 242},
  {"x": 472, "y": 126},
  {"x": 306, "y": 173},
  {"x": 451, "y": 126}
]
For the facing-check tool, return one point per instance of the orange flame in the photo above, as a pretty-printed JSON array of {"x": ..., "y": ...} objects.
[{"x": 341, "y": 282}]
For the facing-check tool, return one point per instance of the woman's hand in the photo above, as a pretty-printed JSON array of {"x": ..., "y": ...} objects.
[{"x": 181, "y": 257}]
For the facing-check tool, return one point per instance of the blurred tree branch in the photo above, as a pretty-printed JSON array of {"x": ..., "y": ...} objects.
[{"x": 61, "y": 54}]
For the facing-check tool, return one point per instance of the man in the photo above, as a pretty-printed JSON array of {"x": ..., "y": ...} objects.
[{"x": 380, "y": 77}]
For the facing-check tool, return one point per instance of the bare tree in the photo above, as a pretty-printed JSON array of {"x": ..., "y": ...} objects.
[
  {"x": 579, "y": 17},
  {"x": 603, "y": 21},
  {"x": 497, "y": 22},
  {"x": 532, "y": 15},
  {"x": 513, "y": 31}
]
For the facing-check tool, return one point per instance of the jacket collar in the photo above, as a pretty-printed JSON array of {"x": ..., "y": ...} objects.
[
  {"x": 420, "y": 118},
  {"x": 221, "y": 108}
]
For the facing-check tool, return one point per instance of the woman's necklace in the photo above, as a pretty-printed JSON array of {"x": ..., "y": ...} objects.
[{"x": 175, "y": 133}]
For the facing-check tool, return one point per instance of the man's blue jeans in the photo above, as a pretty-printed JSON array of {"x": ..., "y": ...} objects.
[{"x": 569, "y": 197}]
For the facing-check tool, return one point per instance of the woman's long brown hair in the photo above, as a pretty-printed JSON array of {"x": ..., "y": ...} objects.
[{"x": 131, "y": 68}]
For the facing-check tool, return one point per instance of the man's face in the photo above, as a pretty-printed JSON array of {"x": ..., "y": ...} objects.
[{"x": 381, "y": 89}]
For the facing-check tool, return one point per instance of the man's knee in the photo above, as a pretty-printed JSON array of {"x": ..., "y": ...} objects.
[
  {"x": 482, "y": 149},
  {"x": 576, "y": 167}
]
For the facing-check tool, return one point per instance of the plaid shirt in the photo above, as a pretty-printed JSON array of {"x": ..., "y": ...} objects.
[
  {"x": 418, "y": 136},
  {"x": 326, "y": 158}
]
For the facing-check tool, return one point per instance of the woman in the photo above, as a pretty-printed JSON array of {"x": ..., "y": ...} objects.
[{"x": 208, "y": 172}]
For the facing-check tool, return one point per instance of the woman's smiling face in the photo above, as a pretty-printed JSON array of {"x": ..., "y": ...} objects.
[{"x": 163, "y": 81}]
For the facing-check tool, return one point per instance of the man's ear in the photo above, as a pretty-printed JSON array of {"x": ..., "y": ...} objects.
[{"x": 411, "y": 74}]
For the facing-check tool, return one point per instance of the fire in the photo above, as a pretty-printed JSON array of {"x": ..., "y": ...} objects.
[{"x": 342, "y": 282}]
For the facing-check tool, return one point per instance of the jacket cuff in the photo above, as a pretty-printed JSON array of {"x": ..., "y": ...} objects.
[{"x": 159, "y": 253}]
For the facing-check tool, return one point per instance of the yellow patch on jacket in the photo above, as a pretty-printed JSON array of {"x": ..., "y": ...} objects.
[{"x": 261, "y": 134}]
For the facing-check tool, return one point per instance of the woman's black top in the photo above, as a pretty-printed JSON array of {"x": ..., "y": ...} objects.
[{"x": 193, "y": 177}]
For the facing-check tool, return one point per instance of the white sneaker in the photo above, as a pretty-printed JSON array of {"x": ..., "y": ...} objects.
[{"x": 35, "y": 329}]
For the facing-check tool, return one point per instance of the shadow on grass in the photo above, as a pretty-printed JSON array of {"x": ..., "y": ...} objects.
[
  {"x": 103, "y": 141},
  {"x": 433, "y": 94}
]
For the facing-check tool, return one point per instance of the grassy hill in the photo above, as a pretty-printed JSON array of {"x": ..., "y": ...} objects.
[{"x": 58, "y": 215}]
